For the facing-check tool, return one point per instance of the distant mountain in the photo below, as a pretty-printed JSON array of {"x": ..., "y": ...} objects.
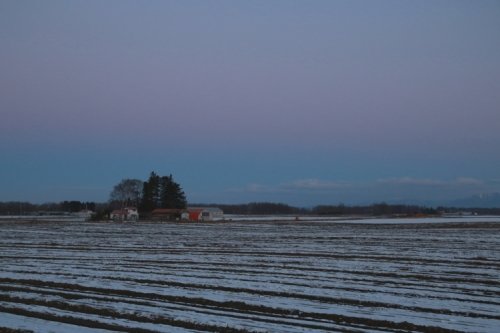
[{"x": 487, "y": 200}]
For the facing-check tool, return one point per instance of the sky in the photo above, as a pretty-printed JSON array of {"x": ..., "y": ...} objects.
[{"x": 300, "y": 102}]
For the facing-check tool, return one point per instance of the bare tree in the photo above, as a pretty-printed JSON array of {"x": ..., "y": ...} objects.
[{"x": 127, "y": 192}]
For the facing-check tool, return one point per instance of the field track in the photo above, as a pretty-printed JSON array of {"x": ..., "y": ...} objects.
[{"x": 249, "y": 277}]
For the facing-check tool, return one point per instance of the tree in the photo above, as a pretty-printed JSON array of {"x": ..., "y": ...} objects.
[
  {"x": 162, "y": 192},
  {"x": 150, "y": 193},
  {"x": 171, "y": 194},
  {"x": 127, "y": 192}
]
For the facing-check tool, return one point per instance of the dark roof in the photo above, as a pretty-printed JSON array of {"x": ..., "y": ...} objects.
[{"x": 166, "y": 211}]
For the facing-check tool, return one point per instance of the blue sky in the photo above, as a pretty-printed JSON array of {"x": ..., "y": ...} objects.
[{"x": 303, "y": 102}]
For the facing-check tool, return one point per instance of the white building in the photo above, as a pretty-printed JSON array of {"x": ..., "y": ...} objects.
[{"x": 125, "y": 214}]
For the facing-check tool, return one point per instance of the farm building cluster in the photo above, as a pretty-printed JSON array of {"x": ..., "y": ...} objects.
[{"x": 194, "y": 214}]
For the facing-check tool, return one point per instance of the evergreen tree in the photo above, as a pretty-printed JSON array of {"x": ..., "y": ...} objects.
[
  {"x": 155, "y": 186},
  {"x": 162, "y": 192},
  {"x": 147, "y": 198},
  {"x": 150, "y": 193},
  {"x": 171, "y": 194}
]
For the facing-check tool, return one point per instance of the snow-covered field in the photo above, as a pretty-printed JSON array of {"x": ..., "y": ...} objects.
[{"x": 267, "y": 276}]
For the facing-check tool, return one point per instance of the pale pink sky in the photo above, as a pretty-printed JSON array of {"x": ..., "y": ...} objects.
[{"x": 240, "y": 100}]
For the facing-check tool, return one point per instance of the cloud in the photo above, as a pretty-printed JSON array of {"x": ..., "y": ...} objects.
[
  {"x": 256, "y": 188},
  {"x": 411, "y": 181},
  {"x": 468, "y": 181},
  {"x": 298, "y": 185},
  {"x": 259, "y": 188},
  {"x": 312, "y": 191},
  {"x": 460, "y": 181},
  {"x": 321, "y": 185},
  {"x": 315, "y": 184}
]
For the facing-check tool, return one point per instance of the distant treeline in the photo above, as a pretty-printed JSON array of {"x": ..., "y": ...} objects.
[
  {"x": 253, "y": 208},
  {"x": 257, "y": 208},
  {"x": 27, "y": 208},
  {"x": 378, "y": 209},
  {"x": 266, "y": 208}
]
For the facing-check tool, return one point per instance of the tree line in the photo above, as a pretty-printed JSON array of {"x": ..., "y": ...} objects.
[
  {"x": 376, "y": 209},
  {"x": 27, "y": 208},
  {"x": 164, "y": 192},
  {"x": 268, "y": 208},
  {"x": 178, "y": 200},
  {"x": 258, "y": 208}
]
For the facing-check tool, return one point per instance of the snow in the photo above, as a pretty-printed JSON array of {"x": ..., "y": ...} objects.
[
  {"x": 42, "y": 326},
  {"x": 442, "y": 272},
  {"x": 361, "y": 219}
]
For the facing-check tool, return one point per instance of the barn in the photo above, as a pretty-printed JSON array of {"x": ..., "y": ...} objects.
[
  {"x": 203, "y": 214},
  {"x": 166, "y": 214}
]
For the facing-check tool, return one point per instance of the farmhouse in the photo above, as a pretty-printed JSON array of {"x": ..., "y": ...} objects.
[
  {"x": 202, "y": 214},
  {"x": 125, "y": 214}
]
